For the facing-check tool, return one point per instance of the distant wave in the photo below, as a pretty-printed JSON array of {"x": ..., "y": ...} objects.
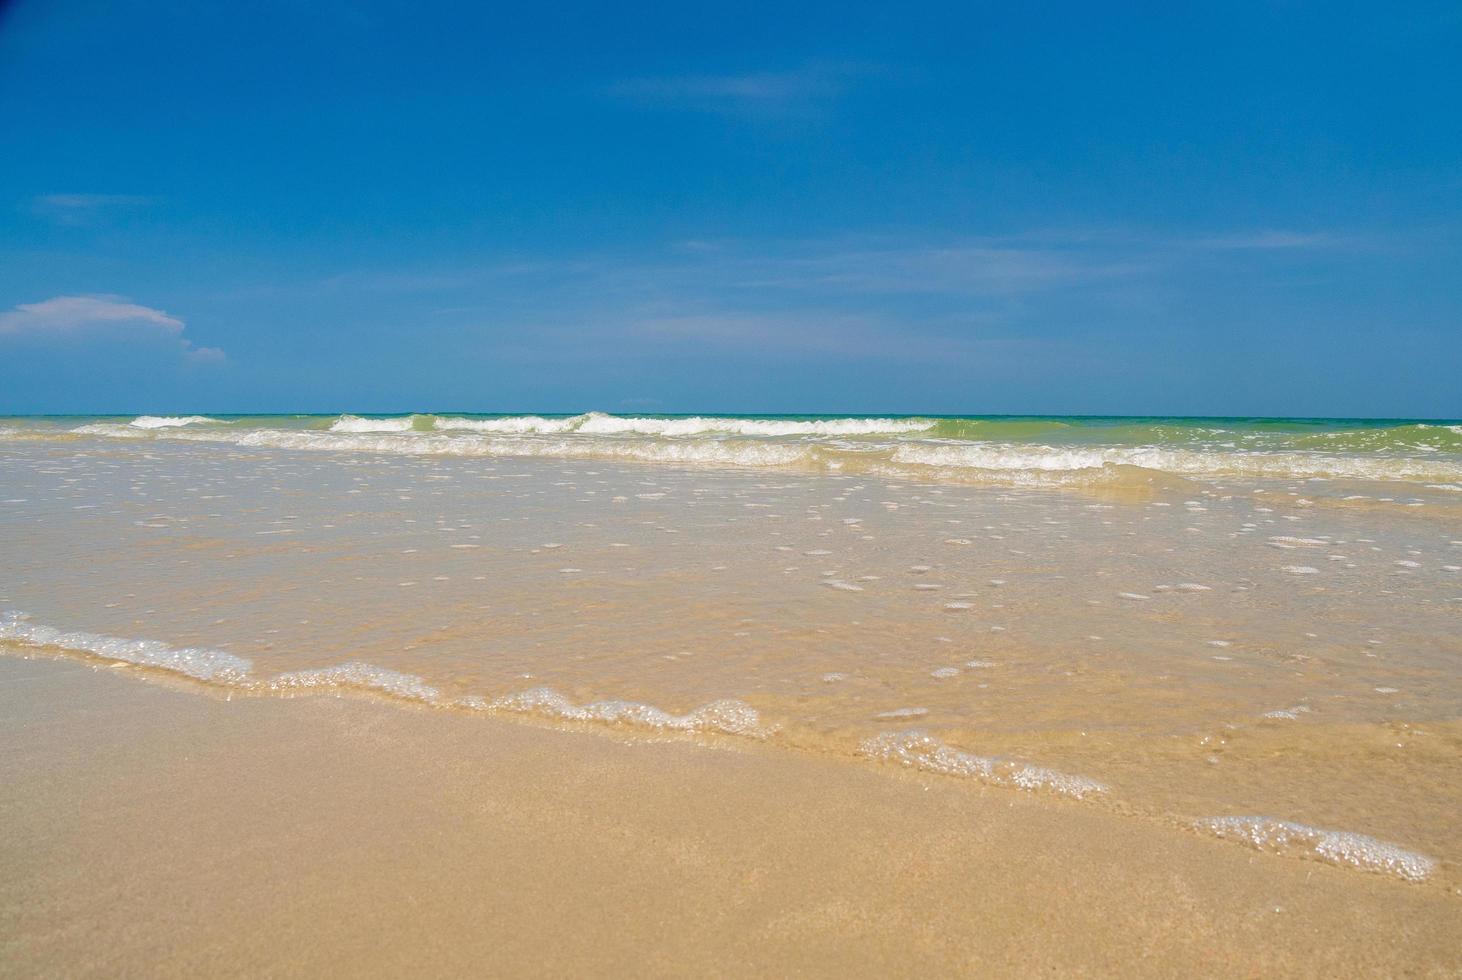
[
  {"x": 168, "y": 421},
  {"x": 354, "y": 423},
  {"x": 598, "y": 423},
  {"x": 1014, "y": 464}
]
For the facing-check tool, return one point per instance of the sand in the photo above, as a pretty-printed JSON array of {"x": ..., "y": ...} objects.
[{"x": 158, "y": 830}]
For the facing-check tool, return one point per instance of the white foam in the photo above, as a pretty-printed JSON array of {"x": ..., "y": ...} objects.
[
  {"x": 598, "y": 423},
  {"x": 110, "y": 429},
  {"x": 568, "y": 446},
  {"x": 357, "y": 675},
  {"x": 168, "y": 421},
  {"x": 197, "y": 662},
  {"x": 1028, "y": 458},
  {"x": 511, "y": 425},
  {"x": 920, "y": 750},
  {"x": 215, "y": 666},
  {"x": 1333, "y": 846},
  {"x": 729, "y": 716},
  {"x": 354, "y": 423}
]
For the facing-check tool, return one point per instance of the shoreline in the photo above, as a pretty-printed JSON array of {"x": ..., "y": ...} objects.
[
  {"x": 911, "y": 751},
  {"x": 185, "y": 833}
]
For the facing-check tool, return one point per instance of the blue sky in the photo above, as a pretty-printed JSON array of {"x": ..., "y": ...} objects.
[{"x": 1248, "y": 208}]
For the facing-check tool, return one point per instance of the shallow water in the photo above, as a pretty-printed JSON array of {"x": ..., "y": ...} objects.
[{"x": 1188, "y": 644}]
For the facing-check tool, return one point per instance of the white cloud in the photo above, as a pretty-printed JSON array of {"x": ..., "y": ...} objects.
[
  {"x": 116, "y": 315},
  {"x": 64, "y": 314}
]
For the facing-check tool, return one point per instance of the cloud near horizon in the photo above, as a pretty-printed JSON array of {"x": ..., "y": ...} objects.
[
  {"x": 77, "y": 315},
  {"x": 77, "y": 210}
]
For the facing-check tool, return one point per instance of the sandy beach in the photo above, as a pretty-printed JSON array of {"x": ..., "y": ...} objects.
[{"x": 171, "y": 833}]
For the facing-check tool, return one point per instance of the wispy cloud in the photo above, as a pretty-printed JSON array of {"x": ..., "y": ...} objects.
[
  {"x": 979, "y": 299},
  {"x": 1271, "y": 238},
  {"x": 100, "y": 314},
  {"x": 82, "y": 209},
  {"x": 823, "y": 333},
  {"x": 752, "y": 92},
  {"x": 982, "y": 269}
]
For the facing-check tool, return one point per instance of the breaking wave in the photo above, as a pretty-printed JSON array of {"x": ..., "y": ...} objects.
[
  {"x": 354, "y": 423},
  {"x": 598, "y": 423},
  {"x": 168, "y": 421}
]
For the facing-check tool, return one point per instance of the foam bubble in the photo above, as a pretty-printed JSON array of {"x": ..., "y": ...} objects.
[
  {"x": 1333, "y": 846},
  {"x": 920, "y": 750},
  {"x": 729, "y": 716},
  {"x": 197, "y": 662},
  {"x": 357, "y": 675}
]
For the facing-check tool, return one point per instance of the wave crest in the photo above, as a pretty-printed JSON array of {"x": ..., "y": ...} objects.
[
  {"x": 599, "y": 423},
  {"x": 169, "y": 421},
  {"x": 354, "y": 423}
]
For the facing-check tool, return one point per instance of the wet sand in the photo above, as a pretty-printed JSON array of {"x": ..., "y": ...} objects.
[{"x": 162, "y": 831}]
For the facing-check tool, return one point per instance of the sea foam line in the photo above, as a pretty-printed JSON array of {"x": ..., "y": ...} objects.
[
  {"x": 1337, "y": 847},
  {"x": 729, "y": 716},
  {"x": 213, "y": 666},
  {"x": 216, "y": 667},
  {"x": 920, "y": 750},
  {"x": 913, "y": 748}
]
